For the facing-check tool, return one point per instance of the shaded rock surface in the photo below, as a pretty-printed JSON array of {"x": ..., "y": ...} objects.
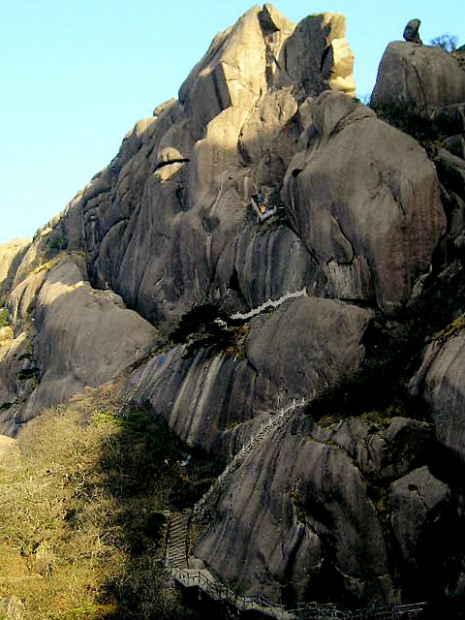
[
  {"x": 412, "y": 31},
  {"x": 416, "y": 499},
  {"x": 204, "y": 393},
  {"x": 313, "y": 504},
  {"x": 440, "y": 380}
]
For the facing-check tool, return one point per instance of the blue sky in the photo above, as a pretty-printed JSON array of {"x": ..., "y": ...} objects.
[{"x": 77, "y": 74}]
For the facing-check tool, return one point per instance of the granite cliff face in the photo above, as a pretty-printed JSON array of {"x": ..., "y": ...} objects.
[{"x": 162, "y": 267}]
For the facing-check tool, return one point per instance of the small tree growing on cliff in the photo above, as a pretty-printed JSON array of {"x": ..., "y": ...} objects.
[{"x": 447, "y": 42}]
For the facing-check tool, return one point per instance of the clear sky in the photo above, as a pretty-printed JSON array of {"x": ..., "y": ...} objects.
[{"x": 77, "y": 74}]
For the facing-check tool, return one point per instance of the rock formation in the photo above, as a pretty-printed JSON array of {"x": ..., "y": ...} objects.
[
  {"x": 412, "y": 31},
  {"x": 160, "y": 268},
  {"x": 426, "y": 76}
]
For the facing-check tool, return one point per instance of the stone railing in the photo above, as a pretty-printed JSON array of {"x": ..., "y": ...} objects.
[
  {"x": 276, "y": 421},
  {"x": 267, "y": 305}
]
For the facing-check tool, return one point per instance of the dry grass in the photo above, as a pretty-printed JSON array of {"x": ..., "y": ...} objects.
[{"x": 81, "y": 514}]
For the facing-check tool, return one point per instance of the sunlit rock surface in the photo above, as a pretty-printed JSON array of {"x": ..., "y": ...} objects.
[{"x": 422, "y": 75}]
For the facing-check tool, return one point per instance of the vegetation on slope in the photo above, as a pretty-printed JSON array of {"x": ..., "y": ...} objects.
[{"x": 83, "y": 513}]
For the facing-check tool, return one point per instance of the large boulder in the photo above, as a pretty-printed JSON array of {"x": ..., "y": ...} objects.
[
  {"x": 425, "y": 76},
  {"x": 342, "y": 511},
  {"x": 423, "y": 526},
  {"x": 315, "y": 342},
  {"x": 73, "y": 336},
  {"x": 364, "y": 199},
  {"x": 441, "y": 382}
]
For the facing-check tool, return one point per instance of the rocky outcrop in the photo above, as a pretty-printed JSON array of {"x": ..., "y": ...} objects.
[
  {"x": 67, "y": 336},
  {"x": 440, "y": 380},
  {"x": 412, "y": 31},
  {"x": 422, "y": 75},
  {"x": 320, "y": 510},
  {"x": 364, "y": 198},
  {"x": 230, "y": 327},
  {"x": 418, "y": 502},
  {"x": 158, "y": 222},
  {"x": 204, "y": 394},
  {"x": 168, "y": 224}
]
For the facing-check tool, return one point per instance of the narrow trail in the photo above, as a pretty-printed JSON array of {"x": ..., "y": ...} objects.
[
  {"x": 178, "y": 552},
  {"x": 178, "y": 558},
  {"x": 270, "y": 303},
  {"x": 276, "y": 422}
]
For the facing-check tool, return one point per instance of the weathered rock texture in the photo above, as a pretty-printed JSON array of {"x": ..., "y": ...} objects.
[
  {"x": 440, "y": 380},
  {"x": 160, "y": 267},
  {"x": 427, "y": 76},
  {"x": 67, "y": 336},
  {"x": 312, "y": 509},
  {"x": 364, "y": 198},
  {"x": 167, "y": 224},
  {"x": 203, "y": 394},
  {"x": 412, "y": 31}
]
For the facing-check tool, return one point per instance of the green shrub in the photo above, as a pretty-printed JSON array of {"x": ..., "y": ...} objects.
[
  {"x": 203, "y": 325},
  {"x": 455, "y": 327},
  {"x": 5, "y": 317},
  {"x": 57, "y": 243}
]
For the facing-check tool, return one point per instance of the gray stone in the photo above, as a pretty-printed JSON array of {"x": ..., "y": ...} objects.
[
  {"x": 381, "y": 450},
  {"x": 315, "y": 342},
  {"x": 364, "y": 199},
  {"x": 411, "y": 31},
  {"x": 441, "y": 382},
  {"x": 205, "y": 393},
  {"x": 414, "y": 499},
  {"x": 456, "y": 145},
  {"x": 157, "y": 236},
  {"x": 297, "y": 513},
  {"x": 422, "y": 75},
  {"x": 451, "y": 119},
  {"x": 451, "y": 170},
  {"x": 79, "y": 337}
]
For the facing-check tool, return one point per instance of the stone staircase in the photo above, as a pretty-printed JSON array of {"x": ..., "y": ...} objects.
[
  {"x": 218, "y": 591},
  {"x": 276, "y": 421},
  {"x": 178, "y": 538},
  {"x": 177, "y": 548}
]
